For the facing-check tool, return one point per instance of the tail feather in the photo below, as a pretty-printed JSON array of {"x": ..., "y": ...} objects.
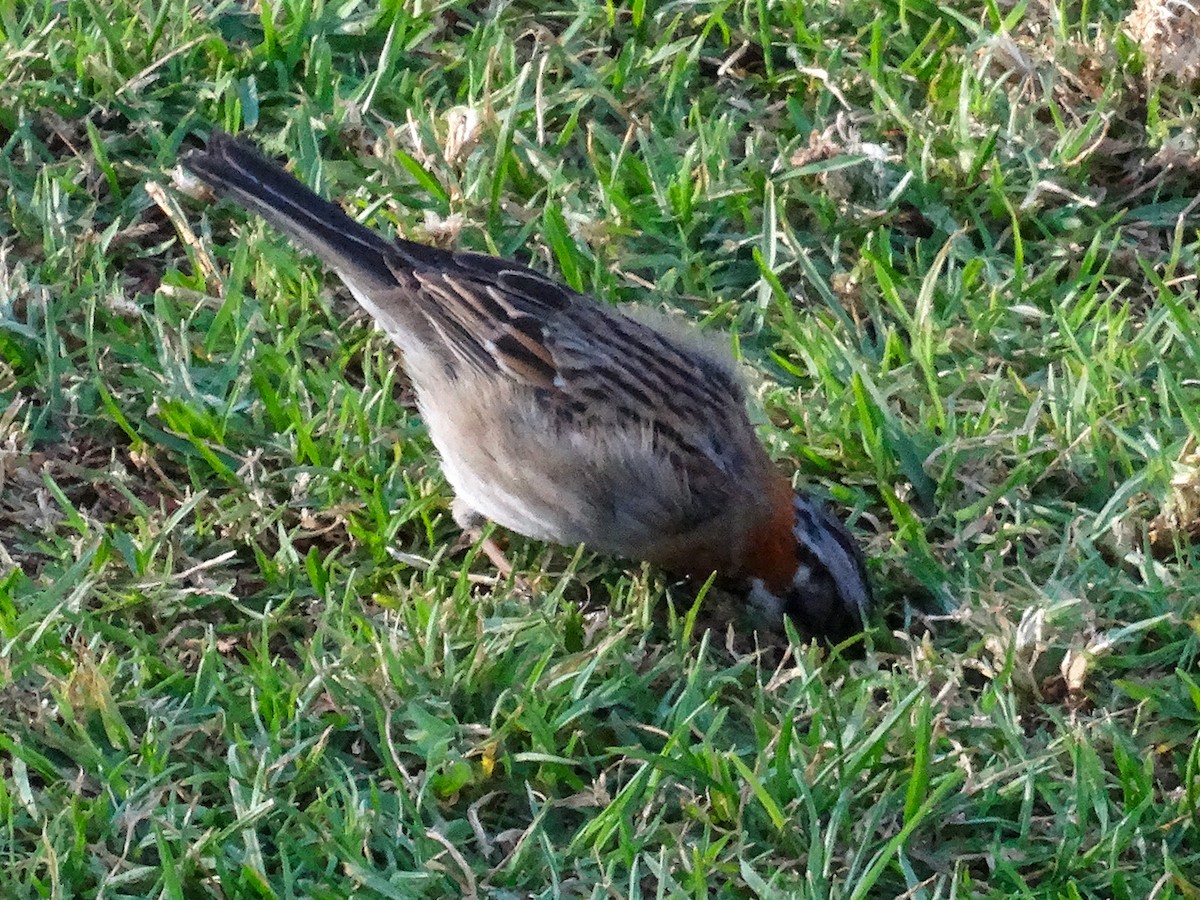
[{"x": 237, "y": 170}]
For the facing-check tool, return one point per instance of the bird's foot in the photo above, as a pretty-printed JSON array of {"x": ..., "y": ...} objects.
[{"x": 473, "y": 526}]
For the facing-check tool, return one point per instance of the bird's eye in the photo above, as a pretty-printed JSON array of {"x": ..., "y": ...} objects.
[{"x": 816, "y": 607}]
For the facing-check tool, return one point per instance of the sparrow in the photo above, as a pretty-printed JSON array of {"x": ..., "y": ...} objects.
[{"x": 570, "y": 421}]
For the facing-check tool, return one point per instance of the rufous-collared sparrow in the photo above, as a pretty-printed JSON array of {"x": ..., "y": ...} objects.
[{"x": 567, "y": 420}]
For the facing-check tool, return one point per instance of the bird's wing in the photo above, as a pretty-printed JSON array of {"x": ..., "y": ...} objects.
[
  {"x": 595, "y": 365},
  {"x": 663, "y": 423}
]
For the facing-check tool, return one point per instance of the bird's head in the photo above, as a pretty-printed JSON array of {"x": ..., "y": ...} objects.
[{"x": 813, "y": 572}]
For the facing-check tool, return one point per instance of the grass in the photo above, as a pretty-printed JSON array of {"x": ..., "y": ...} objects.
[{"x": 240, "y": 652}]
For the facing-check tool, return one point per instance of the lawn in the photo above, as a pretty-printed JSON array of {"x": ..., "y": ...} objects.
[{"x": 243, "y": 651}]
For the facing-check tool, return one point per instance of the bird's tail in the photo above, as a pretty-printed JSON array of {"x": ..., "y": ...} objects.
[{"x": 237, "y": 170}]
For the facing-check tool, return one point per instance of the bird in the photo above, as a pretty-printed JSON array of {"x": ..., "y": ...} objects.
[{"x": 572, "y": 421}]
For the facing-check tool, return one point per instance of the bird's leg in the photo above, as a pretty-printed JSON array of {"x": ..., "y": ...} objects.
[{"x": 472, "y": 525}]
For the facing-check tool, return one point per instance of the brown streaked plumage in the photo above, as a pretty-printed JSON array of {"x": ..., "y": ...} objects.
[{"x": 566, "y": 420}]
